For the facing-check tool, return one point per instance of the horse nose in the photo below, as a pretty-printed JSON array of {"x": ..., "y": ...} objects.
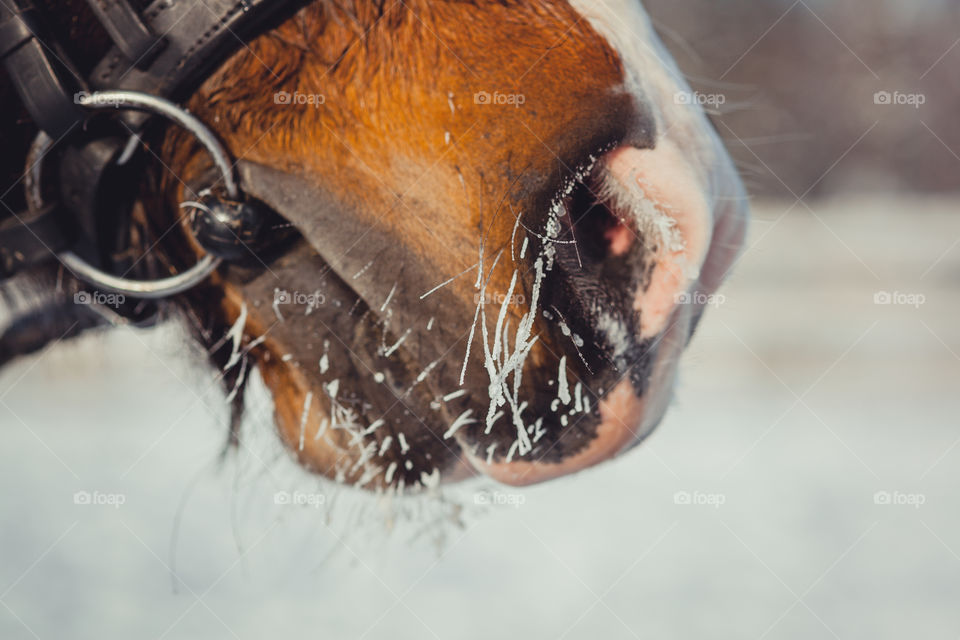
[
  {"x": 637, "y": 229},
  {"x": 658, "y": 202}
]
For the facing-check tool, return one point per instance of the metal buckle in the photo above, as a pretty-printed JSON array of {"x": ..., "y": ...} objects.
[{"x": 146, "y": 289}]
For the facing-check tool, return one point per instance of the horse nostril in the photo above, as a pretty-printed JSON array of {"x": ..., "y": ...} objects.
[
  {"x": 595, "y": 230},
  {"x": 658, "y": 193},
  {"x": 619, "y": 238}
]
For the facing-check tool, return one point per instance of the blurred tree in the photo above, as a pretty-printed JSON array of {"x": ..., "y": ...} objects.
[{"x": 800, "y": 79}]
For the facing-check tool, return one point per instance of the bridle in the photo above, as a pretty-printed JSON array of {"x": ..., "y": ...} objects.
[{"x": 158, "y": 59}]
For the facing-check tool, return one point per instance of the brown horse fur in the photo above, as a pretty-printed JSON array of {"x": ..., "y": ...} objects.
[
  {"x": 427, "y": 186},
  {"x": 406, "y": 149}
]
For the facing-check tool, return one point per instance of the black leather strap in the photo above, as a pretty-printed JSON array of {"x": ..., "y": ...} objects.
[
  {"x": 128, "y": 32},
  {"x": 167, "y": 51},
  {"x": 30, "y": 239},
  {"x": 199, "y": 35},
  {"x": 44, "y": 82},
  {"x": 14, "y": 29}
]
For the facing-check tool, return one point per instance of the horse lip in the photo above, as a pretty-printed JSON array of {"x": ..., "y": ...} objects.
[
  {"x": 627, "y": 417},
  {"x": 621, "y": 414}
]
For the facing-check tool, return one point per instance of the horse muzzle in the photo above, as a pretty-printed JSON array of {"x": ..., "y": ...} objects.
[
  {"x": 618, "y": 306},
  {"x": 577, "y": 373}
]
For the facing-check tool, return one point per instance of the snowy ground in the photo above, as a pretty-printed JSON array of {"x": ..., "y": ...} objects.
[{"x": 801, "y": 399}]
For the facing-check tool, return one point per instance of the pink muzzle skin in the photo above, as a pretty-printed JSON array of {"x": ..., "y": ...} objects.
[{"x": 667, "y": 196}]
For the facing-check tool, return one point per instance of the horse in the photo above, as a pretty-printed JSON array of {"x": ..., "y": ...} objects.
[{"x": 493, "y": 227}]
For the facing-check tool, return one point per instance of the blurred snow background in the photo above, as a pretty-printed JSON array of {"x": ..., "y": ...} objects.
[
  {"x": 801, "y": 400},
  {"x": 815, "y": 432}
]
